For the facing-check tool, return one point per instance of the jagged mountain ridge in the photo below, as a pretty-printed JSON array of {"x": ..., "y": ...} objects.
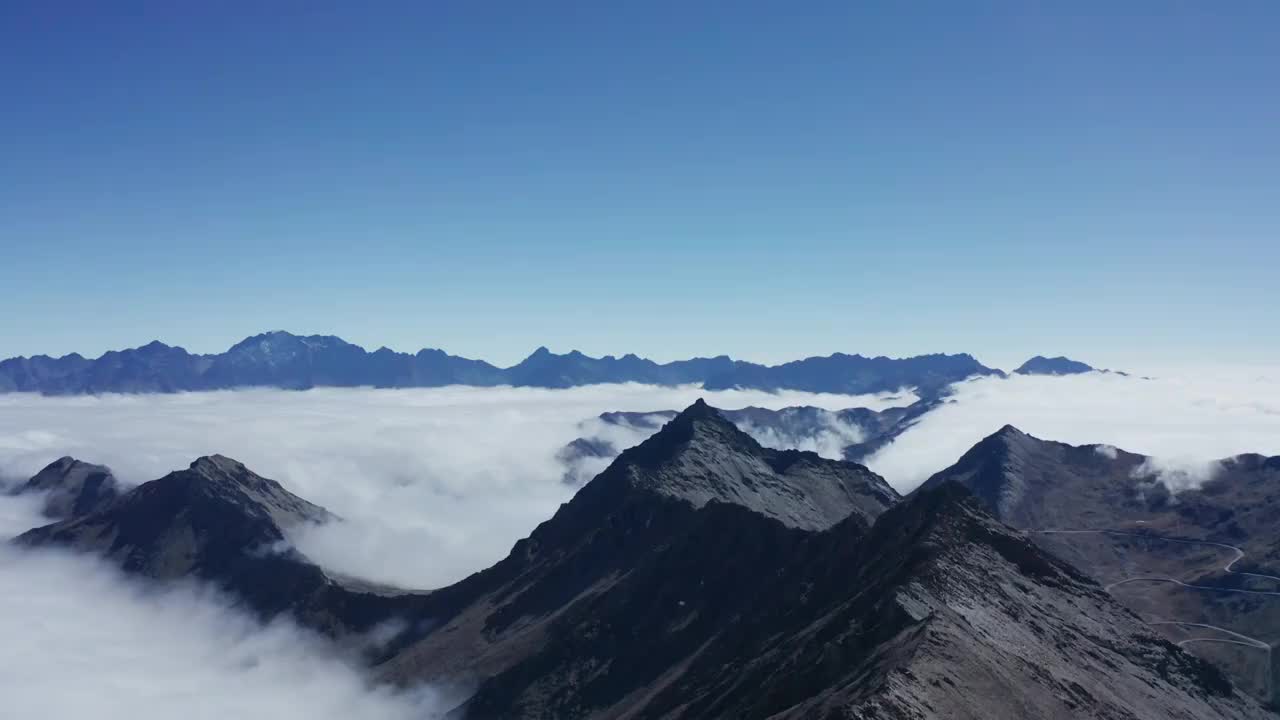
[
  {"x": 1109, "y": 512},
  {"x": 635, "y": 603},
  {"x": 915, "y": 616},
  {"x": 697, "y": 578},
  {"x": 283, "y": 360}
]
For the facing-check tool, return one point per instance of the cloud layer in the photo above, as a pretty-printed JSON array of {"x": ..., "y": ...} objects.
[
  {"x": 438, "y": 483},
  {"x": 80, "y": 641},
  {"x": 1185, "y": 422},
  {"x": 433, "y": 483}
]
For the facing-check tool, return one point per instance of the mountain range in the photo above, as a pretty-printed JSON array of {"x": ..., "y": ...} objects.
[
  {"x": 283, "y": 360},
  {"x": 702, "y": 575}
]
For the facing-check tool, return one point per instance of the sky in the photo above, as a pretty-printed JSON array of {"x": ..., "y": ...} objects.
[{"x": 769, "y": 181}]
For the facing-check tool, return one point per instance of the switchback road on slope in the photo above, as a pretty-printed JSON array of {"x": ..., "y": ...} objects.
[{"x": 1239, "y": 555}]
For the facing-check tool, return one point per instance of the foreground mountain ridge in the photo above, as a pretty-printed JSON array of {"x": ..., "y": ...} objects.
[
  {"x": 284, "y": 360},
  {"x": 1201, "y": 560},
  {"x": 702, "y": 575}
]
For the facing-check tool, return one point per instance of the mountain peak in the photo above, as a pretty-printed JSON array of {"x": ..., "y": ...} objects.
[
  {"x": 700, "y": 457},
  {"x": 1009, "y": 432},
  {"x": 229, "y": 480},
  {"x": 72, "y": 487},
  {"x": 699, "y": 409},
  {"x": 218, "y": 464},
  {"x": 1041, "y": 365},
  {"x": 207, "y": 515}
]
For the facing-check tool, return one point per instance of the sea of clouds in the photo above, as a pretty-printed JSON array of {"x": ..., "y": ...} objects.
[
  {"x": 80, "y": 640},
  {"x": 434, "y": 484}
]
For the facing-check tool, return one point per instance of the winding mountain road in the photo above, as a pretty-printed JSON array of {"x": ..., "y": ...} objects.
[
  {"x": 1242, "y": 638},
  {"x": 1239, "y": 555},
  {"x": 1235, "y": 638}
]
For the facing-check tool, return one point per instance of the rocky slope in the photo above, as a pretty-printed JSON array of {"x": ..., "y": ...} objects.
[
  {"x": 1110, "y": 513},
  {"x": 1044, "y": 485}
]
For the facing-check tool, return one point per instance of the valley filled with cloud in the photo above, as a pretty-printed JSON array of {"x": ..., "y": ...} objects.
[{"x": 434, "y": 484}]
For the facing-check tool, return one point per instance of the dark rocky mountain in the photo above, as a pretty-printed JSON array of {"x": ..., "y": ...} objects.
[
  {"x": 283, "y": 360},
  {"x": 702, "y": 575},
  {"x": 1040, "y": 365},
  {"x": 72, "y": 488},
  {"x": 934, "y": 611},
  {"x": 1174, "y": 558},
  {"x": 1044, "y": 485},
  {"x": 220, "y": 522},
  {"x": 674, "y": 585}
]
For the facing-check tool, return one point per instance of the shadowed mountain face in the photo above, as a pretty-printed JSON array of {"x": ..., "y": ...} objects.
[
  {"x": 221, "y": 522},
  {"x": 72, "y": 488},
  {"x": 935, "y": 611},
  {"x": 1108, "y": 512},
  {"x": 282, "y": 360},
  {"x": 702, "y": 575},
  {"x": 1043, "y": 485}
]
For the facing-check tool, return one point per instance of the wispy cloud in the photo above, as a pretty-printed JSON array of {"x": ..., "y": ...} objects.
[{"x": 83, "y": 641}]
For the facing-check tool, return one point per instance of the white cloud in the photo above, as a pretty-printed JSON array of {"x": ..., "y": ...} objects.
[
  {"x": 1185, "y": 422},
  {"x": 829, "y": 442},
  {"x": 81, "y": 641},
  {"x": 434, "y": 483}
]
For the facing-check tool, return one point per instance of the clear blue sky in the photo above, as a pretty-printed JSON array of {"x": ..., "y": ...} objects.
[{"x": 770, "y": 180}]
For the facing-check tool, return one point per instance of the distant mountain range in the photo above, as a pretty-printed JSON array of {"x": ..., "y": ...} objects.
[
  {"x": 283, "y": 360},
  {"x": 702, "y": 575}
]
